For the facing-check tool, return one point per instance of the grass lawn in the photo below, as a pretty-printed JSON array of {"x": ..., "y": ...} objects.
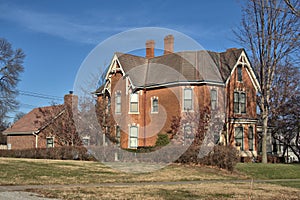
[
  {"x": 15, "y": 171},
  {"x": 270, "y": 171},
  {"x": 44, "y": 172},
  {"x": 177, "y": 192}
]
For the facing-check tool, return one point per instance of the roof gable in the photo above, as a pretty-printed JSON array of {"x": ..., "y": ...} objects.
[
  {"x": 187, "y": 66},
  {"x": 35, "y": 120},
  {"x": 242, "y": 59}
]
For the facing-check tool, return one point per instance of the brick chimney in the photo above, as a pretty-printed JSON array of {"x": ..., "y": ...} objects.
[
  {"x": 150, "y": 48},
  {"x": 169, "y": 44},
  {"x": 71, "y": 101}
]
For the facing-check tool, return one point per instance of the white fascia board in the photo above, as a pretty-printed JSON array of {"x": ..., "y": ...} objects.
[{"x": 251, "y": 73}]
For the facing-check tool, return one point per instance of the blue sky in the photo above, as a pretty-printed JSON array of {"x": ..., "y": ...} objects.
[{"x": 57, "y": 35}]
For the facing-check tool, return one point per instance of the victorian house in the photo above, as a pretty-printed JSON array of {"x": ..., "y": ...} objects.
[{"x": 144, "y": 94}]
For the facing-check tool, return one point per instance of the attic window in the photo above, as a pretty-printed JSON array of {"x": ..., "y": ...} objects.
[{"x": 239, "y": 73}]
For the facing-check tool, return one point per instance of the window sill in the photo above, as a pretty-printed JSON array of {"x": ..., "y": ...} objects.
[
  {"x": 154, "y": 112},
  {"x": 186, "y": 111},
  {"x": 134, "y": 113}
]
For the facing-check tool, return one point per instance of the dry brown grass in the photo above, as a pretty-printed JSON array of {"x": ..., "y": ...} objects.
[
  {"x": 39, "y": 172},
  {"x": 177, "y": 192}
]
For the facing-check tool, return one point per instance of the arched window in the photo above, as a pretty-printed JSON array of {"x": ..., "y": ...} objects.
[{"x": 154, "y": 105}]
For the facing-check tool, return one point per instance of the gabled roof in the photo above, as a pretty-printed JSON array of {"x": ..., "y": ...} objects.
[
  {"x": 187, "y": 66},
  {"x": 226, "y": 61},
  {"x": 35, "y": 120}
]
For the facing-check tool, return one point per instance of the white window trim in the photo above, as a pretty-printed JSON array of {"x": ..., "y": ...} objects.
[
  {"x": 154, "y": 98},
  {"x": 47, "y": 142},
  {"x": 240, "y": 109},
  {"x": 183, "y": 130},
  {"x": 253, "y": 139},
  {"x": 87, "y": 138},
  {"x": 129, "y": 126},
  {"x": 216, "y": 108},
  {"x": 138, "y": 109},
  {"x": 237, "y": 72},
  {"x": 118, "y": 94},
  {"x": 243, "y": 136},
  {"x": 119, "y": 144},
  {"x": 183, "y": 108}
]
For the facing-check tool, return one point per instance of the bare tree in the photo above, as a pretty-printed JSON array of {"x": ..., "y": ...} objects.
[
  {"x": 58, "y": 121},
  {"x": 284, "y": 108},
  {"x": 293, "y": 6},
  {"x": 11, "y": 65},
  {"x": 18, "y": 116},
  {"x": 271, "y": 34}
]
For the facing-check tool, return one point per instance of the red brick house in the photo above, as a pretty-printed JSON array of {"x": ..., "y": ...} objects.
[
  {"x": 142, "y": 92},
  {"x": 38, "y": 128}
]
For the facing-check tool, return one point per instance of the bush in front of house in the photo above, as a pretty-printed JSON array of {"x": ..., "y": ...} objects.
[
  {"x": 225, "y": 157},
  {"x": 59, "y": 153},
  {"x": 162, "y": 140}
]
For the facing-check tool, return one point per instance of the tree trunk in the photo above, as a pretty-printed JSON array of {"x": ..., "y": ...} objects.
[{"x": 264, "y": 138}]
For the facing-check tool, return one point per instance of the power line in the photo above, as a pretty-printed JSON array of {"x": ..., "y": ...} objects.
[{"x": 40, "y": 95}]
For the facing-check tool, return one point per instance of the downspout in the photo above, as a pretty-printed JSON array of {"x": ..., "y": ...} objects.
[
  {"x": 227, "y": 124},
  {"x": 35, "y": 133},
  {"x": 145, "y": 116}
]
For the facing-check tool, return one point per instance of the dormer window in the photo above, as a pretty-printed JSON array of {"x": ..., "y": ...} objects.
[{"x": 239, "y": 73}]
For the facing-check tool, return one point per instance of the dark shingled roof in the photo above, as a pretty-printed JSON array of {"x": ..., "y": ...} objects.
[{"x": 192, "y": 66}]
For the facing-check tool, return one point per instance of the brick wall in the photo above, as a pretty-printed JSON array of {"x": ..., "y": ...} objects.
[{"x": 21, "y": 141}]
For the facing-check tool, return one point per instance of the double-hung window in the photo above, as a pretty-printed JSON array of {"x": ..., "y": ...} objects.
[
  {"x": 250, "y": 138},
  {"x": 118, "y": 135},
  {"x": 50, "y": 142},
  {"x": 239, "y": 136},
  {"x": 188, "y": 134},
  {"x": 187, "y": 99},
  {"x": 154, "y": 105},
  {"x": 133, "y": 137},
  {"x": 239, "y": 101},
  {"x": 86, "y": 141},
  {"x": 134, "y": 102},
  {"x": 213, "y": 98},
  {"x": 118, "y": 102}
]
